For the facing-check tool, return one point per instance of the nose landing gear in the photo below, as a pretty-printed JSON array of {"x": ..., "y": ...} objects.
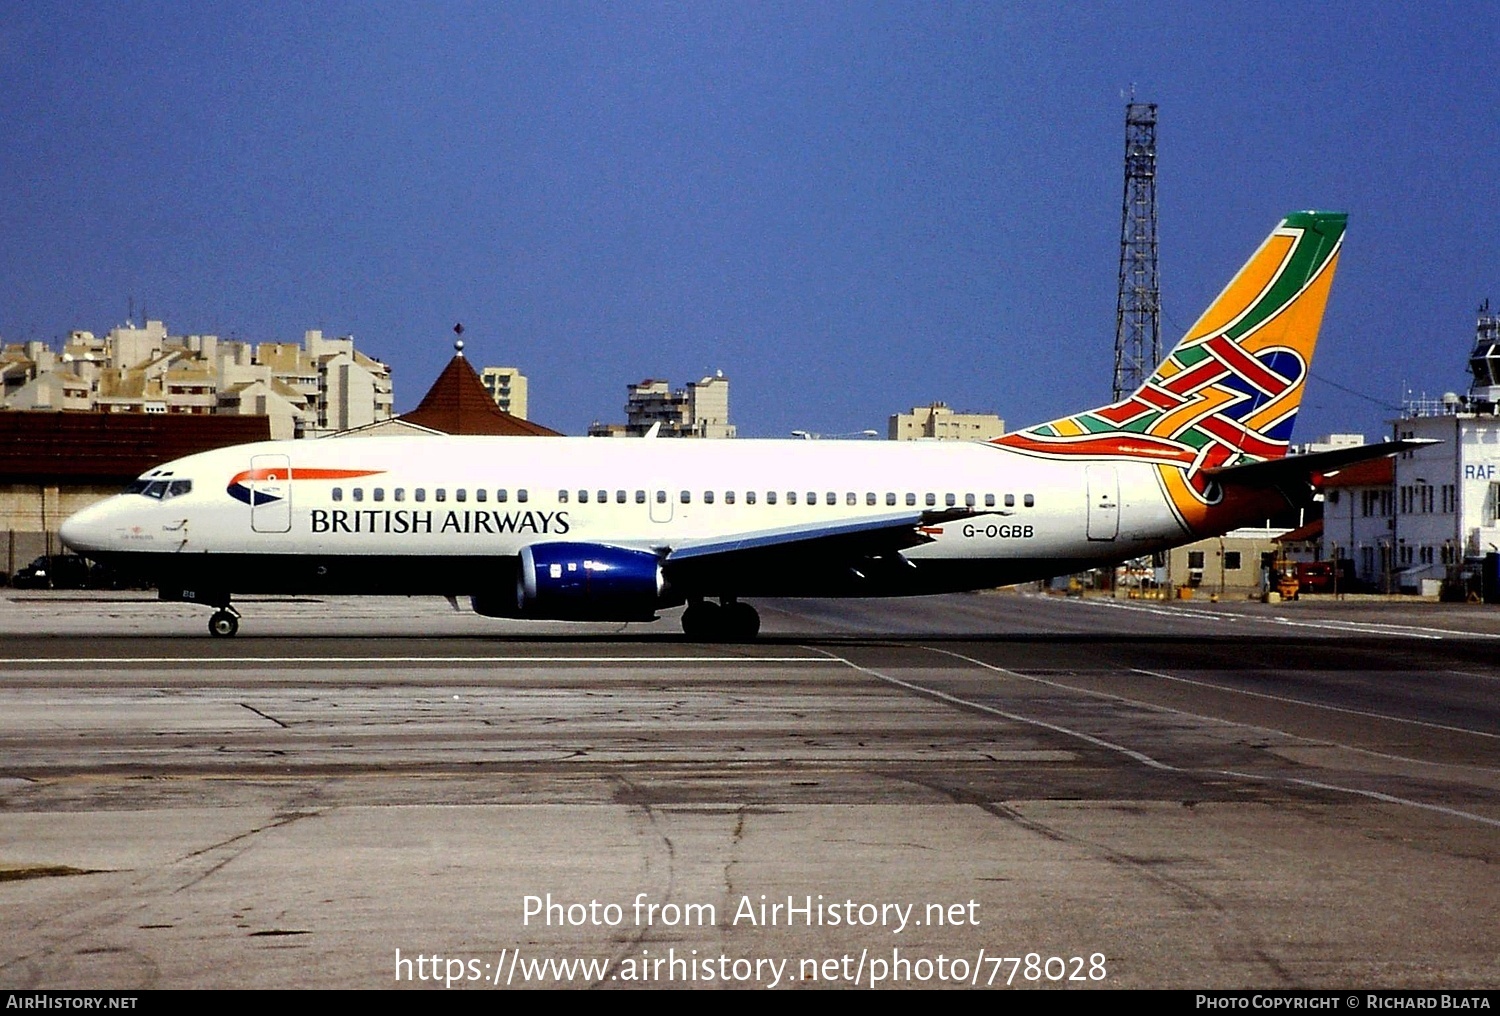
[
  {"x": 729, "y": 620},
  {"x": 224, "y": 622}
]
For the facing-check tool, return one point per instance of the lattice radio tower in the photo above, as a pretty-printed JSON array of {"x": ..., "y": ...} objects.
[{"x": 1138, "y": 309}]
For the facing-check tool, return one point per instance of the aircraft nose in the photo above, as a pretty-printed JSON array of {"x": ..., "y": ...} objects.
[{"x": 85, "y": 531}]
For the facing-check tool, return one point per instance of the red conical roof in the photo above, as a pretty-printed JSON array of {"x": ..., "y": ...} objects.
[{"x": 458, "y": 404}]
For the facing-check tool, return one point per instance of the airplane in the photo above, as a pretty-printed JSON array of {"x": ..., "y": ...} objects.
[{"x": 590, "y": 529}]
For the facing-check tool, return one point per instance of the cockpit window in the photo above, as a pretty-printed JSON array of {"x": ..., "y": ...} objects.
[{"x": 159, "y": 490}]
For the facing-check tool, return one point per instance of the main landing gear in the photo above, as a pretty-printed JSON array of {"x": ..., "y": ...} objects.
[
  {"x": 729, "y": 620},
  {"x": 224, "y": 622}
]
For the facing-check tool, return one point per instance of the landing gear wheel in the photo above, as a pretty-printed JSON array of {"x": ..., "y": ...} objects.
[
  {"x": 702, "y": 620},
  {"x": 223, "y": 624},
  {"x": 740, "y": 622}
]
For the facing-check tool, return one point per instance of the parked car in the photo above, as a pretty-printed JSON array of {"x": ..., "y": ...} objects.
[{"x": 57, "y": 571}]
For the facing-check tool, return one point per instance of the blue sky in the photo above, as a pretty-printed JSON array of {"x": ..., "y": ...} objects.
[{"x": 849, "y": 209}]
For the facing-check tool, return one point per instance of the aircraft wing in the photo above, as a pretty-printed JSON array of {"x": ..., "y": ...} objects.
[
  {"x": 1302, "y": 468},
  {"x": 878, "y": 538}
]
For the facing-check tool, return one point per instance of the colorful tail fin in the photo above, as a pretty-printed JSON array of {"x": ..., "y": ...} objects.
[{"x": 1229, "y": 392}]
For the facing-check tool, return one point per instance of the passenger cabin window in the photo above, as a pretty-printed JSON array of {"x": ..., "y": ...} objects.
[
  {"x": 441, "y": 494},
  {"x": 583, "y": 497},
  {"x": 1030, "y": 501},
  {"x": 770, "y": 497},
  {"x": 640, "y": 497},
  {"x": 379, "y": 493},
  {"x": 1010, "y": 500},
  {"x": 502, "y": 495},
  {"x": 750, "y": 497},
  {"x": 911, "y": 500},
  {"x": 661, "y": 497},
  {"x": 831, "y": 498},
  {"x": 338, "y": 493},
  {"x": 931, "y": 500},
  {"x": 359, "y": 493},
  {"x": 399, "y": 494},
  {"x": 420, "y": 494},
  {"x": 620, "y": 497},
  {"x": 708, "y": 497},
  {"x": 791, "y": 497},
  {"x": 686, "y": 497},
  {"x": 989, "y": 500},
  {"x": 460, "y": 494},
  {"x": 870, "y": 498},
  {"x": 851, "y": 499},
  {"x": 562, "y": 497},
  {"x": 522, "y": 495},
  {"x": 729, "y": 497},
  {"x": 481, "y": 494},
  {"x": 890, "y": 500},
  {"x": 969, "y": 501},
  {"x": 603, "y": 497}
]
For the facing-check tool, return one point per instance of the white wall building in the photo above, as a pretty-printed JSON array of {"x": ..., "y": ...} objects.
[{"x": 1447, "y": 495}]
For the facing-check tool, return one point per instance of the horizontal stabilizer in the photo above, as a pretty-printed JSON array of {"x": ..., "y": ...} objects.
[{"x": 1302, "y": 468}]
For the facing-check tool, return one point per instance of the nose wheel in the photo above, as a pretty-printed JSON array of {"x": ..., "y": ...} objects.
[{"x": 224, "y": 623}]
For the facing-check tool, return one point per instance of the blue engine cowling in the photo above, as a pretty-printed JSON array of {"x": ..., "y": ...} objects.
[{"x": 589, "y": 582}]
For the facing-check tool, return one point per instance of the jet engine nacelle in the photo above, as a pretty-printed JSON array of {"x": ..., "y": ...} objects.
[{"x": 584, "y": 582}]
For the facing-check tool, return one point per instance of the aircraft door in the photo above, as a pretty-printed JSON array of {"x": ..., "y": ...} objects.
[
  {"x": 1104, "y": 502},
  {"x": 270, "y": 493},
  {"x": 661, "y": 504}
]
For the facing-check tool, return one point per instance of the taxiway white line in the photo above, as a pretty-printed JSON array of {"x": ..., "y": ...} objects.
[
  {"x": 1359, "y": 627},
  {"x": 1141, "y": 757},
  {"x": 1314, "y": 705}
]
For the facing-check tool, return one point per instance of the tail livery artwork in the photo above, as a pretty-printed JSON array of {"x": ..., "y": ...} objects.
[{"x": 594, "y": 529}]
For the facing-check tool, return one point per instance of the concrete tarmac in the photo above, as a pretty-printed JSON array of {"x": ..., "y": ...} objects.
[{"x": 976, "y": 790}]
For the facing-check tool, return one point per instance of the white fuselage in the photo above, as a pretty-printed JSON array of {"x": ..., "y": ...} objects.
[{"x": 483, "y": 496}]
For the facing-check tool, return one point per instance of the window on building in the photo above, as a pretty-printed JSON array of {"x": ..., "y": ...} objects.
[
  {"x": 1231, "y": 560},
  {"x": 1195, "y": 559}
]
